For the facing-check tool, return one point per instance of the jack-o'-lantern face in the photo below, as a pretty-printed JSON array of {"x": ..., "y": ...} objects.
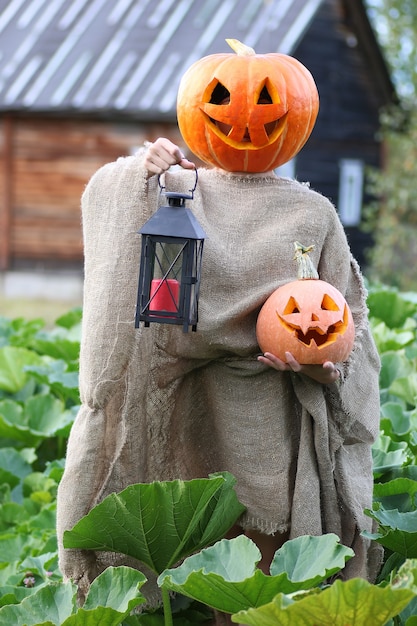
[
  {"x": 244, "y": 125},
  {"x": 246, "y": 112},
  {"x": 320, "y": 324},
  {"x": 310, "y": 319}
]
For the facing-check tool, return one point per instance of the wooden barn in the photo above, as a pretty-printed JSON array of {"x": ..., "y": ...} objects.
[{"x": 83, "y": 82}]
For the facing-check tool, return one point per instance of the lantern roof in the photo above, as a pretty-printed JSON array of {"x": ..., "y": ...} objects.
[{"x": 173, "y": 221}]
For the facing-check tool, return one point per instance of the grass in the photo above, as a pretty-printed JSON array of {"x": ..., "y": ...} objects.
[{"x": 33, "y": 308}]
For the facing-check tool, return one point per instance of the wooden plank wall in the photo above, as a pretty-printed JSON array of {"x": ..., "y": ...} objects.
[{"x": 44, "y": 167}]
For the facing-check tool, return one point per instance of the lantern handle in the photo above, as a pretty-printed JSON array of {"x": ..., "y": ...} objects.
[{"x": 162, "y": 187}]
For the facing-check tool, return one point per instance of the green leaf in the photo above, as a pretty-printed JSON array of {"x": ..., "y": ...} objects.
[
  {"x": 55, "y": 469},
  {"x": 116, "y": 587},
  {"x": 111, "y": 598},
  {"x": 393, "y": 365},
  {"x": 70, "y": 319},
  {"x": 55, "y": 373},
  {"x": 388, "y": 454},
  {"x": 405, "y": 388},
  {"x": 42, "y": 416},
  {"x": 7, "y": 478},
  {"x": 406, "y": 578},
  {"x": 406, "y": 471},
  {"x": 104, "y": 616},
  {"x": 13, "y": 424},
  {"x": 396, "y": 531},
  {"x": 12, "y": 546},
  {"x": 395, "y": 420},
  {"x": 12, "y": 514},
  {"x": 56, "y": 346},
  {"x": 224, "y": 576},
  {"x": 22, "y": 331},
  {"x": 154, "y": 619},
  {"x": 46, "y": 415},
  {"x": 13, "y": 362},
  {"x": 396, "y": 486},
  {"x": 391, "y": 339},
  {"x": 390, "y": 306},
  {"x": 399, "y": 489},
  {"x": 51, "y": 604},
  {"x": 41, "y": 564},
  {"x": 161, "y": 522},
  {"x": 355, "y": 602},
  {"x": 37, "y": 481},
  {"x": 15, "y": 462},
  {"x": 311, "y": 560},
  {"x": 10, "y": 594}
]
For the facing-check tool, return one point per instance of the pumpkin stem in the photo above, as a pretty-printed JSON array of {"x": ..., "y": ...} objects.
[
  {"x": 305, "y": 267},
  {"x": 240, "y": 48}
]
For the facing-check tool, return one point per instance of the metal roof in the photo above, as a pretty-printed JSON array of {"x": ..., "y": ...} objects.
[{"x": 127, "y": 56}]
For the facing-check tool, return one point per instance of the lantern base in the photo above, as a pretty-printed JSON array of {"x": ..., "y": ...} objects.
[{"x": 160, "y": 319}]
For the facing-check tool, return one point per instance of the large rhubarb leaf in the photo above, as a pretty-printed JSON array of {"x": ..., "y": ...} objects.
[
  {"x": 355, "y": 602},
  {"x": 225, "y": 576},
  {"x": 160, "y": 523}
]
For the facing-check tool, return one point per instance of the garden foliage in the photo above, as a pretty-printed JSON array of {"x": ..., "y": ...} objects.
[{"x": 163, "y": 524}]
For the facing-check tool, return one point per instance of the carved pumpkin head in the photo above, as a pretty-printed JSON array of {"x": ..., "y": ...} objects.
[
  {"x": 246, "y": 112},
  {"x": 309, "y": 318}
]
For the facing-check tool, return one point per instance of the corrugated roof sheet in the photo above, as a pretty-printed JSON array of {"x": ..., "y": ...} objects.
[{"x": 127, "y": 55}]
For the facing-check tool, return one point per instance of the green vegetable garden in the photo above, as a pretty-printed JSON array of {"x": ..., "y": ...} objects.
[{"x": 163, "y": 524}]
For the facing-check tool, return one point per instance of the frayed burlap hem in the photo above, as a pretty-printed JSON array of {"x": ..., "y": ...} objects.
[{"x": 249, "y": 522}]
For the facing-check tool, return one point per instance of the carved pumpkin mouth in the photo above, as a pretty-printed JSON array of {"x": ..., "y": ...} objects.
[
  {"x": 315, "y": 336},
  {"x": 246, "y": 138},
  {"x": 260, "y": 125},
  {"x": 322, "y": 329}
]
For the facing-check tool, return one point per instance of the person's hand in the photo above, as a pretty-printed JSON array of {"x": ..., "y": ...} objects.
[
  {"x": 324, "y": 374},
  {"x": 162, "y": 154}
]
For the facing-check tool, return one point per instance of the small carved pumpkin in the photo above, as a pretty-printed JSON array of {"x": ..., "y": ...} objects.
[
  {"x": 307, "y": 317},
  {"x": 246, "y": 112}
]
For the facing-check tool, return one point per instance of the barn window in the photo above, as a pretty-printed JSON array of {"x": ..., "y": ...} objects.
[{"x": 350, "y": 191}]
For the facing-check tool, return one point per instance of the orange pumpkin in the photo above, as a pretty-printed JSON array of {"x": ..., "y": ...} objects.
[
  {"x": 307, "y": 317},
  {"x": 246, "y": 112}
]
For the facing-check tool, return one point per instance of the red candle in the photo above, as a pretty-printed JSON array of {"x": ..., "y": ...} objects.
[{"x": 165, "y": 295}]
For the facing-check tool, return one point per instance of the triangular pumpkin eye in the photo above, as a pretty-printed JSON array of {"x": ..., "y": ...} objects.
[
  {"x": 328, "y": 304},
  {"x": 219, "y": 94},
  {"x": 264, "y": 96},
  {"x": 291, "y": 307}
]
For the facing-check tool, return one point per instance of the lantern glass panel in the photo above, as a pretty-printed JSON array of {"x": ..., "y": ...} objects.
[
  {"x": 168, "y": 260},
  {"x": 166, "y": 293}
]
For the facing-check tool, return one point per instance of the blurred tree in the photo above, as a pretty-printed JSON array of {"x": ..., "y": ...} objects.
[
  {"x": 392, "y": 216},
  {"x": 395, "y": 22}
]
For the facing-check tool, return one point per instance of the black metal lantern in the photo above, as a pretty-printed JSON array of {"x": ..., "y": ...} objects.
[{"x": 170, "y": 264}]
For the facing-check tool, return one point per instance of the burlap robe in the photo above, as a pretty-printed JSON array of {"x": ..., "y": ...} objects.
[{"x": 159, "y": 404}]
